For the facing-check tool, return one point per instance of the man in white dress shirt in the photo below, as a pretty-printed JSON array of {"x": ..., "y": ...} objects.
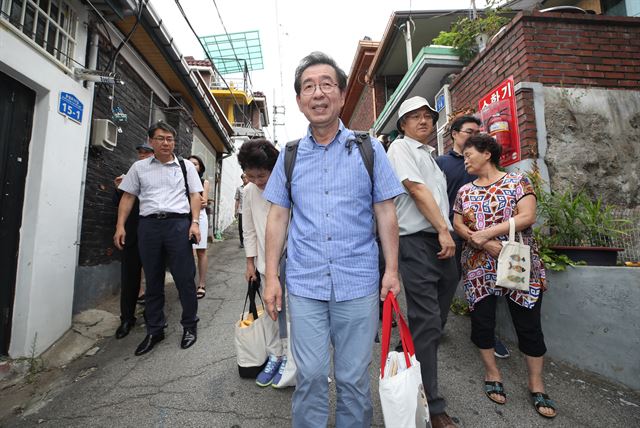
[
  {"x": 426, "y": 261},
  {"x": 164, "y": 231}
]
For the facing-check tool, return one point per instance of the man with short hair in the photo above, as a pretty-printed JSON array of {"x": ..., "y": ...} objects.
[
  {"x": 332, "y": 255},
  {"x": 130, "y": 264},
  {"x": 452, "y": 164},
  {"x": 426, "y": 262},
  {"x": 164, "y": 231}
]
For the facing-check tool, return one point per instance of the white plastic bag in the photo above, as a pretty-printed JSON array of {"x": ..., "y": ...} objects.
[
  {"x": 289, "y": 374},
  {"x": 402, "y": 396}
]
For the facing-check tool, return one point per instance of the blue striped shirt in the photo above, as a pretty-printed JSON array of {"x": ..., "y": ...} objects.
[{"x": 331, "y": 242}]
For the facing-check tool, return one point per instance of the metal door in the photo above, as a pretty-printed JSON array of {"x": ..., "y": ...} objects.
[{"x": 16, "y": 119}]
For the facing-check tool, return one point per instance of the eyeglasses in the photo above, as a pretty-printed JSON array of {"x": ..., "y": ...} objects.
[
  {"x": 163, "y": 139},
  {"x": 419, "y": 116},
  {"x": 325, "y": 87},
  {"x": 470, "y": 131}
]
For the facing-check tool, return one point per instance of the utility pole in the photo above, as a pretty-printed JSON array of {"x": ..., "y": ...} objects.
[
  {"x": 278, "y": 111},
  {"x": 407, "y": 28}
]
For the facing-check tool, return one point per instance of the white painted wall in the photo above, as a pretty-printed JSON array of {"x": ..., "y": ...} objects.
[
  {"x": 207, "y": 153},
  {"x": 230, "y": 181},
  {"x": 53, "y": 194}
]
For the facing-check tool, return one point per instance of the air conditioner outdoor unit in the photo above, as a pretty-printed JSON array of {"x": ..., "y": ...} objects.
[
  {"x": 104, "y": 134},
  {"x": 443, "y": 107}
]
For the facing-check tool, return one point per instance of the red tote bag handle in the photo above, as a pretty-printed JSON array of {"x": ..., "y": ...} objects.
[{"x": 390, "y": 306}]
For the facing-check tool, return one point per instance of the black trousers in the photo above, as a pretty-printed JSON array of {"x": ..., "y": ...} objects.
[
  {"x": 240, "y": 229},
  {"x": 429, "y": 286},
  {"x": 459, "y": 244},
  {"x": 526, "y": 322},
  {"x": 129, "y": 279},
  {"x": 159, "y": 241}
]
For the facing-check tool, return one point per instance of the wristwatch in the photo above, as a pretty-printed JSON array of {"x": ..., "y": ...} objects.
[{"x": 195, "y": 221}]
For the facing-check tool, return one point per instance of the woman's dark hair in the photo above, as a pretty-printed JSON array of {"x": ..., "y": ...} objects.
[
  {"x": 485, "y": 143},
  {"x": 202, "y": 168},
  {"x": 257, "y": 154},
  {"x": 318, "y": 58}
]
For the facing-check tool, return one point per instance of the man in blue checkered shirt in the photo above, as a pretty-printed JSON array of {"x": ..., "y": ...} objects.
[{"x": 332, "y": 255}]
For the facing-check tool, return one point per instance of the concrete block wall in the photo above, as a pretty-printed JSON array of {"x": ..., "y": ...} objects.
[{"x": 590, "y": 322}]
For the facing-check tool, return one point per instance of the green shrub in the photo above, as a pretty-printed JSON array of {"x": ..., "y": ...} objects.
[{"x": 463, "y": 32}]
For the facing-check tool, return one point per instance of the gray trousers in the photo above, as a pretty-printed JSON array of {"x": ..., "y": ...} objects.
[{"x": 429, "y": 286}]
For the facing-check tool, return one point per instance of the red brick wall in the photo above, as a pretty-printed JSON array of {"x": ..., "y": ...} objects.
[
  {"x": 362, "y": 118},
  {"x": 556, "y": 50}
]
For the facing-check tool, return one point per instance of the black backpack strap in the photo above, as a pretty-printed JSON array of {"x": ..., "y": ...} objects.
[
  {"x": 186, "y": 182},
  {"x": 363, "y": 141},
  {"x": 184, "y": 175},
  {"x": 290, "y": 154}
]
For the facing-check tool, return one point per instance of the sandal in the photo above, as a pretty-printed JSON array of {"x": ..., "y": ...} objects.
[
  {"x": 495, "y": 387},
  {"x": 540, "y": 399},
  {"x": 201, "y": 292}
]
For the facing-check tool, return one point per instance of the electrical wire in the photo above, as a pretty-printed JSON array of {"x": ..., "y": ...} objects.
[
  {"x": 135, "y": 54},
  {"x": 141, "y": 6},
  {"x": 206, "y": 52},
  {"x": 226, "y": 33},
  {"x": 280, "y": 69}
]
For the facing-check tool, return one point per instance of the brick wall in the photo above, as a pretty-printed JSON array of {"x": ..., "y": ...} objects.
[
  {"x": 99, "y": 212},
  {"x": 556, "y": 50},
  {"x": 363, "y": 115}
]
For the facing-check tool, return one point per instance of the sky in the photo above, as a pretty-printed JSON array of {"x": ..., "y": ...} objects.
[{"x": 289, "y": 30}]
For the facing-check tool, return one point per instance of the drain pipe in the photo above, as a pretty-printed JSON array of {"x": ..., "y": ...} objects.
[{"x": 92, "y": 62}]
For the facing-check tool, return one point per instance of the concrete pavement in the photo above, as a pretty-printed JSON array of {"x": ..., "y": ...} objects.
[{"x": 200, "y": 387}]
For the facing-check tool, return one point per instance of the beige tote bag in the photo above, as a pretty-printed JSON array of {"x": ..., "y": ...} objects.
[{"x": 514, "y": 262}]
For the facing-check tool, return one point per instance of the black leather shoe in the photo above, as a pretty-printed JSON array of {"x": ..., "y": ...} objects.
[
  {"x": 189, "y": 337},
  {"x": 148, "y": 343},
  {"x": 125, "y": 328}
]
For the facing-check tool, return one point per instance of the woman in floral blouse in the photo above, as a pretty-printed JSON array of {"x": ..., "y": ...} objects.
[{"x": 482, "y": 211}]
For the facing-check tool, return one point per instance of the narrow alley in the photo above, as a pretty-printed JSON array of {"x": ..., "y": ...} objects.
[{"x": 200, "y": 387}]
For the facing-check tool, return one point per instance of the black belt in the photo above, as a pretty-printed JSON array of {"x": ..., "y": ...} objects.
[
  {"x": 424, "y": 234},
  {"x": 162, "y": 216}
]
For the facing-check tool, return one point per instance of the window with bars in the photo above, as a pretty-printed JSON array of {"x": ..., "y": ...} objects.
[{"x": 51, "y": 24}]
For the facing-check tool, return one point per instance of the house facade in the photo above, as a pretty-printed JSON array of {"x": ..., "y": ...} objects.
[
  {"x": 158, "y": 84},
  {"x": 45, "y": 123},
  {"x": 575, "y": 82},
  {"x": 63, "y": 140},
  {"x": 247, "y": 111}
]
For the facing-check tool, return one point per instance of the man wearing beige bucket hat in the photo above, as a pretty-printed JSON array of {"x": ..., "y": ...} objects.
[{"x": 426, "y": 261}]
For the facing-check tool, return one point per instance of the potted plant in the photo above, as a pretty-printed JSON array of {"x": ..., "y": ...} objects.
[
  {"x": 578, "y": 226},
  {"x": 466, "y": 35}
]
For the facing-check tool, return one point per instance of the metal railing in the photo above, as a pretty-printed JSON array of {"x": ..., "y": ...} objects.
[
  {"x": 50, "y": 24},
  {"x": 630, "y": 241}
]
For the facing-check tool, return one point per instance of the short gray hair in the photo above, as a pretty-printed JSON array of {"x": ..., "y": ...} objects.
[{"x": 316, "y": 58}]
